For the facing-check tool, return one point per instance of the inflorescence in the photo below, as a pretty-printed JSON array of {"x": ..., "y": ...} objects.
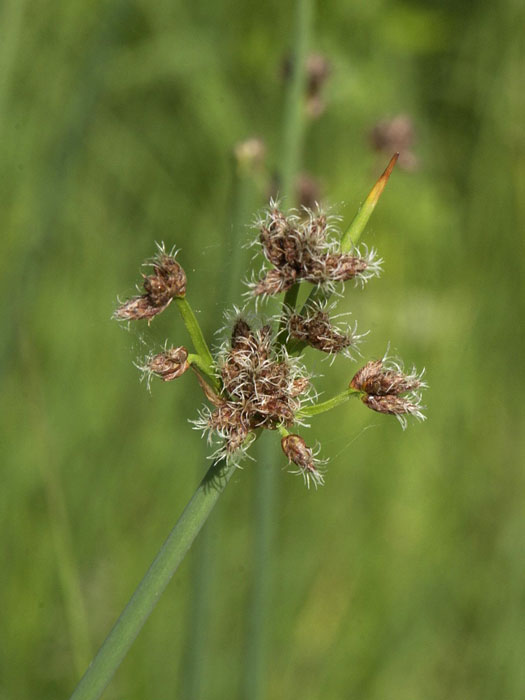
[
  {"x": 304, "y": 247},
  {"x": 256, "y": 380}
]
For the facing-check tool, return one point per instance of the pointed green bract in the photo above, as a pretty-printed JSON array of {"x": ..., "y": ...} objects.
[{"x": 356, "y": 228}]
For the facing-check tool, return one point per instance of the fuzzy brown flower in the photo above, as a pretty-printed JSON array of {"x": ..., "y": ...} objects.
[
  {"x": 298, "y": 452},
  {"x": 261, "y": 388},
  {"x": 386, "y": 388},
  {"x": 304, "y": 248},
  {"x": 167, "y": 281}
]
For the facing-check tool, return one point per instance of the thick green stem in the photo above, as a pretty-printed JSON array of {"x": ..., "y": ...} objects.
[
  {"x": 146, "y": 596},
  {"x": 258, "y": 631}
]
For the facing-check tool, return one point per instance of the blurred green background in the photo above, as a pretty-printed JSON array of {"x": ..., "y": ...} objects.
[{"x": 402, "y": 578}]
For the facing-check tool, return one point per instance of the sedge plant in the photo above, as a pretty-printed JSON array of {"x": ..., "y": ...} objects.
[{"x": 256, "y": 379}]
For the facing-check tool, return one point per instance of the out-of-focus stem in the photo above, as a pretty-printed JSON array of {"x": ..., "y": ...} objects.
[{"x": 257, "y": 643}]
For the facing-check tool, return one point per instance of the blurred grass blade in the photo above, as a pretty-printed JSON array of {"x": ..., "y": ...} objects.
[{"x": 356, "y": 228}]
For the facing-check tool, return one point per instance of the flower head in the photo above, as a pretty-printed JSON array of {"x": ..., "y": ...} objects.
[
  {"x": 386, "y": 388},
  {"x": 167, "y": 281},
  {"x": 297, "y": 451},
  {"x": 261, "y": 387},
  {"x": 168, "y": 365},
  {"x": 316, "y": 328},
  {"x": 303, "y": 247}
]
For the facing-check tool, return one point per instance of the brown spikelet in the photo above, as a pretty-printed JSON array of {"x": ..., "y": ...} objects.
[
  {"x": 170, "y": 364},
  {"x": 318, "y": 332},
  {"x": 167, "y": 282}
]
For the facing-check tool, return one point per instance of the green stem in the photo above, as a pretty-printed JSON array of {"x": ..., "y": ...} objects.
[
  {"x": 197, "y": 360},
  {"x": 258, "y": 629},
  {"x": 197, "y": 337},
  {"x": 254, "y": 682},
  {"x": 147, "y": 594},
  {"x": 294, "y": 109},
  {"x": 327, "y": 405}
]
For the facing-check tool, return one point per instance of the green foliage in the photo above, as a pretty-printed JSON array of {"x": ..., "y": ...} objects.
[{"x": 403, "y": 576}]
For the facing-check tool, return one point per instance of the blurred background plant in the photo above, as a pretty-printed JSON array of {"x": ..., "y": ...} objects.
[{"x": 403, "y": 576}]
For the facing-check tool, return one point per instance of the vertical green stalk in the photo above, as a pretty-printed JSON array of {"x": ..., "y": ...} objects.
[
  {"x": 293, "y": 128},
  {"x": 268, "y": 451},
  {"x": 233, "y": 258},
  {"x": 147, "y": 594}
]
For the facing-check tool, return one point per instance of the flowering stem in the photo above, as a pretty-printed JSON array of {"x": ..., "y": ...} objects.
[
  {"x": 254, "y": 681},
  {"x": 324, "y": 406},
  {"x": 348, "y": 240},
  {"x": 148, "y": 592},
  {"x": 197, "y": 360},
  {"x": 199, "y": 343}
]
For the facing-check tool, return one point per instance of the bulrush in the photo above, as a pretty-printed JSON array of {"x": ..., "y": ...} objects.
[
  {"x": 256, "y": 380},
  {"x": 314, "y": 327},
  {"x": 170, "y": 364}
]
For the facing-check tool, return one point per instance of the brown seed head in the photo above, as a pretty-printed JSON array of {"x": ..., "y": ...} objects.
[
  {"x": 318, "y": 332},
  {"x": 387, "y": 389},
  {"x": 379, "y": 380},
  {"x": 138, "y": 308},
  {"x": 167, "y": 281},
  {"x": 170, "y": 364},
  {"x": 297, "y": 451}
]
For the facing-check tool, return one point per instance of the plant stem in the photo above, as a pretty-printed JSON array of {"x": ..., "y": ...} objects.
[
  {"x": 327, "y": 405},
  {"x": 148, "y": 592},
  {"x": 294, "y": 109},
  {"x": 195, "y": 660},
  {"x": 258, "y": 631},
  {"x": 197, "y": 337},
  {"x": 266, "y": 496}
]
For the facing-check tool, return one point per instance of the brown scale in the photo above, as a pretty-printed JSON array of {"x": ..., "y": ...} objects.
[{"x": 390, "y": 404}]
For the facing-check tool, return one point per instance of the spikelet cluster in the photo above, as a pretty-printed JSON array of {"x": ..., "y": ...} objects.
[
  {"x": 256, "y": 380},
  {"x": 305, "y": 248},
  {"x": 167, "y": 281},
  {"x": 386, "y": 388},
  {"x": 262, "y": 388},
  {"x": 314, "y": 326}
]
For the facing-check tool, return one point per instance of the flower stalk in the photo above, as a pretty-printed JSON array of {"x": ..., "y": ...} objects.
[
  {"x": 148, "y": 592},
  {"x": 255, "y": 383}
]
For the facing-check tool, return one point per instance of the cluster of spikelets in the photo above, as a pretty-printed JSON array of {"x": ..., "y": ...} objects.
[
  {"x": 263, "y": 387},
  {"x": 304, "y": 247},
  {"x": 256, "y": 380}
]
